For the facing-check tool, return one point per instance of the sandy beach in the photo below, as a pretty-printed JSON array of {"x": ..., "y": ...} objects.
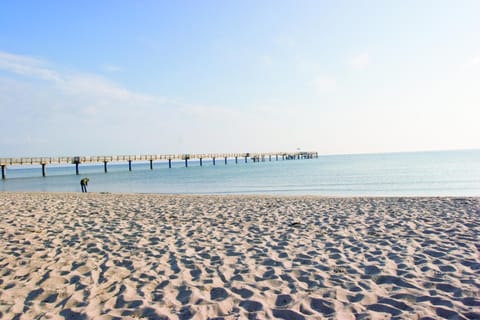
[{"x": 116, "y": 256}]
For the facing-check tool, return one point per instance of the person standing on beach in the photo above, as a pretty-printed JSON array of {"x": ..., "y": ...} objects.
[{"x": 84, "y": 183}]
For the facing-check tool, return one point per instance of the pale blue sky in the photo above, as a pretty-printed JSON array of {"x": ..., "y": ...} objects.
[{"x": 155, "y": 77}]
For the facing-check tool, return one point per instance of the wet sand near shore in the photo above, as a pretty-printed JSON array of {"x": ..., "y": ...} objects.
[{"x": 113, "y": 256}]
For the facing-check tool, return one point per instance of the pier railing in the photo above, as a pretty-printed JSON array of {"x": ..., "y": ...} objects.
[{"x": 77, "y": 160}]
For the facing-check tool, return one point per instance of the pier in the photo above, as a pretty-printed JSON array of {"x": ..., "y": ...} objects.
[{"x": 77, "y": 160}]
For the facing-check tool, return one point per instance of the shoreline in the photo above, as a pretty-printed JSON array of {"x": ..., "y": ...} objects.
[
  {"x": 157, "y": 256},
  {"x": 245, "y": 195}
]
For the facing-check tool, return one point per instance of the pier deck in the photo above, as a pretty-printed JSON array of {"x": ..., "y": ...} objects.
[{"x": 77, "y": 160}]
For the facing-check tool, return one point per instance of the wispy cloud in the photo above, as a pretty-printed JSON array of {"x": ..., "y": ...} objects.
[
  {"x": 266, "y": 60},
  {"x": 285, "y": 41},
  {"x": 100, "y": 87},
  {"x": 74, "y": 84},
  {"x": 360, "y": 61},
  {"x": 27, "y": 66},
  {"x": 67, "y": 112},
  {"x": 111, "y": 68},
  {"x": 324, "y": 84},
  {"x": 54, "y": 106},
  {"x": 474, "y": 61}
]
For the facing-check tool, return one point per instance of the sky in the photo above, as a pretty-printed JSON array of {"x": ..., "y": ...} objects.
[{"x": 160, "y": 77}]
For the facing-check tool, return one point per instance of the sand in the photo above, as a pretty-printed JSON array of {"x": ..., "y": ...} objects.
[{"x": 112, "y": 256}]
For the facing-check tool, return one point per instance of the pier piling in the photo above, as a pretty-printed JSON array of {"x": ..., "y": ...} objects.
[
  {"x": 225, "y": 160},
  {"x": 44, "y": 173},
  {"x": 170, "y": 163},
  {"x": 105, "y": 166},
  {"x": 213, "y": 160},
  {"x": 76, "y": 161},
  {"x": 151, "y": 164},
  {"x": 129, "y": 165},
  {"x": 3, "y": 172}
]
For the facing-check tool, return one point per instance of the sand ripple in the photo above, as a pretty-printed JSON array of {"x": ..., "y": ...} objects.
[{"x": 103, "y": 256}]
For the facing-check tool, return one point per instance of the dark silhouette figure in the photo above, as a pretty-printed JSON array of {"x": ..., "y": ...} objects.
[{"x": 84, "y": 183}]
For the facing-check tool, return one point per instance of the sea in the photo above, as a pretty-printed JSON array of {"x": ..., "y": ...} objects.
[{"x": 434, "y": 173}]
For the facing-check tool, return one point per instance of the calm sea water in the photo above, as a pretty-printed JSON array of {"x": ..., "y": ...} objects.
[{"x": 454, "y": 173}]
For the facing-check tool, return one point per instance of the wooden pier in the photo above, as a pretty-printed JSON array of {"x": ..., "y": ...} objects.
[{"x": 77, "y": 160}]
